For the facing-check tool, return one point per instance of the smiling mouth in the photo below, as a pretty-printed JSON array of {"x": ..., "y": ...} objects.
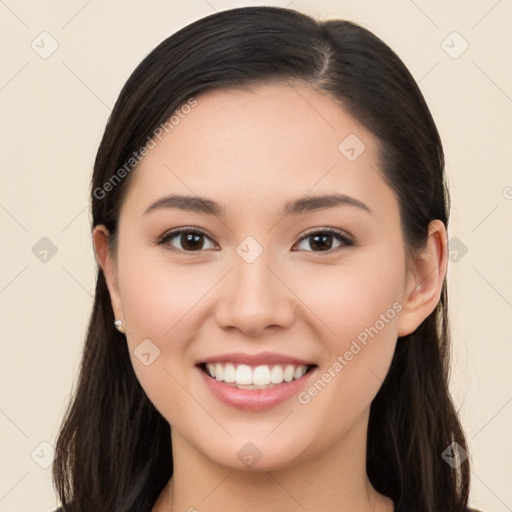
[{"x": 243, "y": 376}]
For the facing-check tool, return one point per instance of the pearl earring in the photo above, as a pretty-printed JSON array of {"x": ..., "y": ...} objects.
[{"x": 119, "y": 326}]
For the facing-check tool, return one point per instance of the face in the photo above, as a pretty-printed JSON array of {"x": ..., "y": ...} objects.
[{"x": 323, "y": 286}]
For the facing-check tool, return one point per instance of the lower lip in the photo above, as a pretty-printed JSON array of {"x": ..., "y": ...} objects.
[{"x": 255, "y": 399}]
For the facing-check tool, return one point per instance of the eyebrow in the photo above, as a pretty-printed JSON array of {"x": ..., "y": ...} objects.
[{"x": 298, "y": 206}]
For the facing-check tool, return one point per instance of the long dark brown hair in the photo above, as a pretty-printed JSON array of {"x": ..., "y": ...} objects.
[{"x": 113, "y": 451}]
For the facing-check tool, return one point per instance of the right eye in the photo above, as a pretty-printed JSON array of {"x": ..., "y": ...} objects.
[{"x": 189, "y": 239}]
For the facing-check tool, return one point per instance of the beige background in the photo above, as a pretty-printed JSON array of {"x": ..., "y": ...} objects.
[{"x": 53, "y": 112}]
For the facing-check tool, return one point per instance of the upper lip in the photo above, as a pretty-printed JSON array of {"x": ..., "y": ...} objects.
[{"x": 255, "y": 359}]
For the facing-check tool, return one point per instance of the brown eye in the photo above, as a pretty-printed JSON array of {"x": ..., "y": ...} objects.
[
  {"x": 189, "y": 240},
  {"x": 322, "y": 240}
]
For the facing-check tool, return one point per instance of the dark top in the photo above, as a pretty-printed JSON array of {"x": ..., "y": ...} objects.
[{"x": 467, "y": 510}]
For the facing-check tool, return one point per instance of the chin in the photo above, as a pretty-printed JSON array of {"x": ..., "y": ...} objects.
[{"x": 256, "y": 453}]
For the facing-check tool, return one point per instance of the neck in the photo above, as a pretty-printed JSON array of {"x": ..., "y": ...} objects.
[{"x": 335, "y": 480}]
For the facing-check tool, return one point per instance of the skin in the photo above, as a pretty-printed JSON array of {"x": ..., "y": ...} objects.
[{"x": 252, "y": 151}]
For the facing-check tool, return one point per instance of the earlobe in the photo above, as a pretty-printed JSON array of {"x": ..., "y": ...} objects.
[
  {"x": 425, "y": 280},
  {"x": 107, "y": 264}
]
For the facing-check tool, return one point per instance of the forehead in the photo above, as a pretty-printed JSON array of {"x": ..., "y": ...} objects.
[{"x": 261, "y": 145}]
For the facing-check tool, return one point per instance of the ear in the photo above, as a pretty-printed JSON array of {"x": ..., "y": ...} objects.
[
  {"x": 424, "y": 281},
  {"x": 108, "y": 265}
]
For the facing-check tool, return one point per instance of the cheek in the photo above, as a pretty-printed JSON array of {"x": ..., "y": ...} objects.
[
  {"x": 158, "y": 303},
  {"x": 157, "y": 296},
  {"x": 358, "y": 311},
  {"x": 346, "y": 299}
]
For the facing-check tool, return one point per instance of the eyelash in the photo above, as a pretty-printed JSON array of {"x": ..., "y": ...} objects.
[{"x": 339, "y": 235}]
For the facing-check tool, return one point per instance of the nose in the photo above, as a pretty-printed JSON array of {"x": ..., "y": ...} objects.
[{"x": 255, "y": 297}]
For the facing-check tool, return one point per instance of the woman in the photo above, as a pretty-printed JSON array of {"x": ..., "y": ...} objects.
[{"x": 270, "y": 327}]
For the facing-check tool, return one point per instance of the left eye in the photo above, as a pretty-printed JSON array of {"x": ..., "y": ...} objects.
[
  {"x": 322, "y": 237},
  {"x": 191, "y": 240}
]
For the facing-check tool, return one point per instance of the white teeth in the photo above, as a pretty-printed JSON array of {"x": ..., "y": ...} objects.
[
  {"x": 243, "y": 374},
  {"x": 229, "y": 373},
  {"x": 288, "y": 373},
  {"x": 299, "y": 372},
  {"x": 259, "y": 377},
  {"x": 276, "y": 375}
]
